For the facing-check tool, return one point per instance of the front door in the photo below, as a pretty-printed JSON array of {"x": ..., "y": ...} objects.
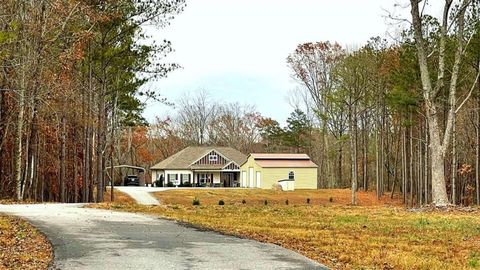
[{"x": 227, "y": 179}]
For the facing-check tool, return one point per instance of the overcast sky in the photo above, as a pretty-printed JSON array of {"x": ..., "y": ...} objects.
[{"x": 237, "y": 49}]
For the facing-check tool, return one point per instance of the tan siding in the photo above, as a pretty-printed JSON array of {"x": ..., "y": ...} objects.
[
  {"x": 305, "y": 178},
  {"x": 250, "y": 164}
]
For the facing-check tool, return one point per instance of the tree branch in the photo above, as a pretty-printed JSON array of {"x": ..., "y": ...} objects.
[{"x": 469, "y": 93}]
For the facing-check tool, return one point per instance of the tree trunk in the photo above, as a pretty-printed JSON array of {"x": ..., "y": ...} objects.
[
  {"x": 426, "y": 163},
  {"x": 62, "y": 159},
  {"x": 411, "y": 167},
  {"x": 439, "y": 191},
  {"x": 477, "y": 147},
  {"x": 365, "y": 153},
  {"x": 340, "y": 163},
  {"x": 18, "y": 140},
  {"x": 438, "y": 146},
  {"x": 454, "y": 162},
  {"x": 353, "y": 157},
  {"x": 404, "y": 166},
  {"x": 377, "y": 164},
  {"x": 75, "y": 168}
]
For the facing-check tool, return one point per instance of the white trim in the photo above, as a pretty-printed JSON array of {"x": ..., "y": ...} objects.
[{"x": 228, "y": 164}]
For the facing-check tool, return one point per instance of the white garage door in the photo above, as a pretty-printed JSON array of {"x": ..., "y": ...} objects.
[
  {"x": 250, "y": 177},
  {"x": 244, "y": 178},
  {"x": 259, "y": 178}
]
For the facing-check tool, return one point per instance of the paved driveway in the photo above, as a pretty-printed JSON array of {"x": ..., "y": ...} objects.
[
  {"x": 142, "y": 195},
  {"x": 100, "y": 239}
]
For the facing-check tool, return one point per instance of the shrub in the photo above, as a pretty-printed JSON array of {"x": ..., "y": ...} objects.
[
  {"x": 244, "y": 202},
  {"x": 277, "y": 187},
  {"x": 186, "y": 184},
  {"x": 265, "y": 202},
  {"x": 331, "y": 199},
  {"x": 308, "y": 200},
  {"x": 286, "y": 202},
  {"x": 474, "y": 259},
  {"x": 158, "y": 183},
  {"x": 221, "y": 202},
  {"x": 196, "y": 201},
  {"x": 170, "y": 184}
]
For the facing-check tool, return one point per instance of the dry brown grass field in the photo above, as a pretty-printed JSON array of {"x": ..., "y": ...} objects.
[
  {"x": 22, "y": 246},
  {"x": 374, "y": 235},
  {"x": 119, "y": 197}
]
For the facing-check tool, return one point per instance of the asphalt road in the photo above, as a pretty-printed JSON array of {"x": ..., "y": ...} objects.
[{"x": 99, "y": 239}]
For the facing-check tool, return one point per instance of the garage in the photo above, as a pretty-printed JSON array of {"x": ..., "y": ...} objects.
[{"x": 291, "y": 171}]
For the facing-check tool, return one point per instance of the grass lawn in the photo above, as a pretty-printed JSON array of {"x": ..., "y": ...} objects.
[
  {"x": 119, "y": 197},
  {"x": 375, "y": 235},
  {"x": 22, "y": 246}
]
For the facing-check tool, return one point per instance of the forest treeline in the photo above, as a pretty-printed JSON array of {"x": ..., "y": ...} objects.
[
  {"x": 403, "y": 116},
  {"x": 394, "y": 117},
  {"x": 397, "y": 117},
  {"x": 71, "y": 77}
]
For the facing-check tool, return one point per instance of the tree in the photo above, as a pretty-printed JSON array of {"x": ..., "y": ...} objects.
[
  {"x": 298, "y": 131},
  {"x": 195, "y": 116},
  {"x": 312, "y": 67},
  {"x": 69, "y": 66},
  {"x": 440, "y": 138}
]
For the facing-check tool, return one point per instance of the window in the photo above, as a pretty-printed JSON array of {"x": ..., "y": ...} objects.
[
  {"x": 213, "y": 157},
  {"x": 204, "y": 178},
  {"x": 291, "y": 176},
  {"x": 185, "y": 177},
  {"x": 172, "y": 177}
]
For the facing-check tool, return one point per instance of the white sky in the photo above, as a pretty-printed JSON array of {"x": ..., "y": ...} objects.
[{"x": 237, "y": 49}]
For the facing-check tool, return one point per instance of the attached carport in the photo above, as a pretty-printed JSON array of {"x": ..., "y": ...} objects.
[
  {"x": 139, "y": 170},
  {"x": 110, "y": 173}
]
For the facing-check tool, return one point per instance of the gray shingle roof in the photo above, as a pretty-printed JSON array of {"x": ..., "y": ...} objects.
[{"x": 184, "y": 158}]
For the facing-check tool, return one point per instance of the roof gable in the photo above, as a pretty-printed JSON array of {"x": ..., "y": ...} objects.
[
  {"x": 205, "y": 159},
  {"x": 231, "y": 166},
  {"x": 188, "y": 157}
]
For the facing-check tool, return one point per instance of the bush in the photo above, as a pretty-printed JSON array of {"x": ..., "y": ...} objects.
[
  {"x": 158, "y": 183},
  {"x": 196, "y": 201},
  {"x": 277, "y": 187},
  {"x": 170, "y": 184},
  {"x": 331, "y": 199},
  {"x": 265, "y": 202},
  {"x": 244, "y": 202},
  {"x": 186, "y": 184},
  {"x": 221, "y": 202},
  {"x": 308, "y": 200},
  {"x": 286, "y": 202}
]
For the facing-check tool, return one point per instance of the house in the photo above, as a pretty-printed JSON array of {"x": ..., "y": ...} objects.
[
  {"x": 292, "y": 171},
  {"x": 200, "y": 167}
]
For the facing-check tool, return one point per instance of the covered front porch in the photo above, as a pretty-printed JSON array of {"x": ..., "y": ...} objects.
[{"x": 209, "y": 178}]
